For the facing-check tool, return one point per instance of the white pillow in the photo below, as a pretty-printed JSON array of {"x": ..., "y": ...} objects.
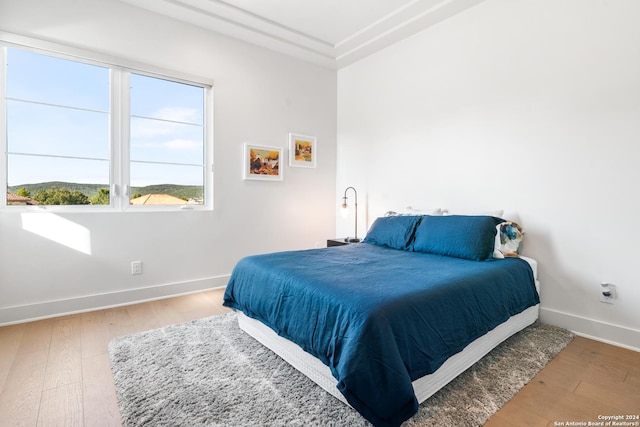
[
  {"x": 409, "y": 211},
  {"x": 497, "y": 214},
  {"x": 412, "y": 211}
]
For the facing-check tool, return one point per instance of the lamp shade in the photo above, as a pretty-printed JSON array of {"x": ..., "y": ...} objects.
[{"x": 344, "y": 211}]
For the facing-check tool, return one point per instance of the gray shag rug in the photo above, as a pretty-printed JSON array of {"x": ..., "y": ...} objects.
[{"x": 208, "y": 372}]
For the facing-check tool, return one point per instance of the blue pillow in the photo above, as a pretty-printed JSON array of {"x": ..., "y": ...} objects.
[
  {"x": 460, "y": 236},
  {"x": 394, "y": 232}
]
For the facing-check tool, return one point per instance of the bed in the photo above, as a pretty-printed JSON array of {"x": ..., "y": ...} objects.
[{"x": 384, "y": 324}]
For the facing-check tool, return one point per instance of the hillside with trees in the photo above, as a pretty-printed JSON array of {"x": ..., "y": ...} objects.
[{"x": 69, "y": 193}]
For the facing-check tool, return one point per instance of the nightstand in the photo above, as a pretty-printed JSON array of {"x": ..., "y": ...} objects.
[{"x": 338, "y": 242}]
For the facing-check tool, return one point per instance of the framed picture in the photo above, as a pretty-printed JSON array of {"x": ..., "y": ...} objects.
[
  {"x": 302, "y": 151},
  {"x": 262, "y": 163}
]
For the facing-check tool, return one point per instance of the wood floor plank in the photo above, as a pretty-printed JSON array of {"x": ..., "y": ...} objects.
[
  {"x": 63, "y": 365},
  {"x": 197, "y": 306},
  {"x": 216, "y": 296},
  {"x": 562, "y": 374},
  {"x": 615, "y": 354},
  {"x": 66, "y": 331},
  {"x": 192, "y": 302},
  {"x": 577, "y": 345},
  {"x": 36, "y": 336},
  {"x": 62, "y": 407},
  {"x": 633, "y": 377},
  {"x": 557, "y": 405},
  {"x": 575, "y": 355},
  {"x": 119, "y": 322},
  {"x": 94, "y": 333},
  {"x": 570, "y": 408},
  {"x": 5, "y": 368},
  {"x": 154, "y": 315},
  {"x": 20, "y": 397},
  {"x": 143, "y": 317},
  {"x": 607, "y": 371},
  {"x": 536, "y": 394},
  {"x": 168, "y": 310},
  {"x": 620, "y": 398},
  {"x": 498, "y": 421},
  {"x": 10, "y": 338},
  {"x": 100, "y": 402},
  {"x": 514, "y": 415}
]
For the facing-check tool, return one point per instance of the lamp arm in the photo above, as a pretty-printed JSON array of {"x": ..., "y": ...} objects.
[{"x": 356, "y": 208}]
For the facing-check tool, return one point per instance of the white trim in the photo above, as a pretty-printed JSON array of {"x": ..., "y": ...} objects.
[
  {"x": 617, "y": 335},
  {"x": 70, "y": 52},
  {"x": 63, "y": 307},
  {"x": 119, "y": 134},
  {"x": 3, "y": 124},
  {"x": 208, "y": 150},
  {"x": 243, "y": 24},
  {"x": 119, "y": 127}
]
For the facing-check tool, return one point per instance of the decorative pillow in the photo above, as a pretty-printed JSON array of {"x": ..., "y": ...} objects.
[
  {"x": 460, "y": 236},
  {"x": 394, "y": 232},
  {"x": 508, "y": 238}
]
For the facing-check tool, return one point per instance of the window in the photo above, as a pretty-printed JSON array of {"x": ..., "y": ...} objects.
[
  {"x": 167, "y": 140},
  {"x": 85, "y": 134}
]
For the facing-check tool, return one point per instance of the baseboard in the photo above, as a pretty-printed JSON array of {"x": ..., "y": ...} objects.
[
  {"x": 609, "y": 333},
  {"x": 47, "y": 309}
]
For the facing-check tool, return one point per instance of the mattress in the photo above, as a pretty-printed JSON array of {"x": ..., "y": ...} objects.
[{"x": 425, "y": 386}]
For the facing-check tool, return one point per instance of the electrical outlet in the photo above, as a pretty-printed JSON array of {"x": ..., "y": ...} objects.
[
  {"x": 611, "y": 290},
  {"x": 136, "y": 267}
]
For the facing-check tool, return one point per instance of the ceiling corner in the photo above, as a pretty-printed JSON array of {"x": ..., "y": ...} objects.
[{"x": 277, "y": 29}]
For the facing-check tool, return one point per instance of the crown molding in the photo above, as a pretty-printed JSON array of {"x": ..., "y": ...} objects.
[{"x": 232, "y": 21}]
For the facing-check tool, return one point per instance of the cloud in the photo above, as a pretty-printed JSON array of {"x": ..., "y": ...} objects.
[{"x": 182, "y": 144}]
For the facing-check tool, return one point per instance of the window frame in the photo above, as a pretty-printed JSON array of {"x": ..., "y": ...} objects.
[{"x": 120, "y": 71}]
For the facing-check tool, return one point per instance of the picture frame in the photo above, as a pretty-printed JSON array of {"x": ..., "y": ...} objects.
[
  {"x": 303, "y": 151},
  {"x": 262, "y": 162}
]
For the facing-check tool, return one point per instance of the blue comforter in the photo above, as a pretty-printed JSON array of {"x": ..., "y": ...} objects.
[{"x": 379, "y": 318}]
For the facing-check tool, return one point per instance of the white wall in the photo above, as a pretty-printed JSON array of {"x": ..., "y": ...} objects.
[
  {"x": 260, "y": 96},
  {"x": 530, "y": 106}
]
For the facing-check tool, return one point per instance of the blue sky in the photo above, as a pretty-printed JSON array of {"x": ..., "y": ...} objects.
[{"x": 68, "y": 116}]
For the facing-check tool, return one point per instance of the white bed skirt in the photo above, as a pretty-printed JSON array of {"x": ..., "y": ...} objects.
[{"x": 423, "y": 387}]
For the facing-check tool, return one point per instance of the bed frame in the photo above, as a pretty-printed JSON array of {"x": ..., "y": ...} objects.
[{"x": 423, "y": 387}]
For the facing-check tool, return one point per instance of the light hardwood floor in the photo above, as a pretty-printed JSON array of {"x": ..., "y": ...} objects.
[{"x": 57, "y": 372}]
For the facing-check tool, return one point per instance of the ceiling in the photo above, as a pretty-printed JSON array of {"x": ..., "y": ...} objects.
[{"x": 331, "y": 33}]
